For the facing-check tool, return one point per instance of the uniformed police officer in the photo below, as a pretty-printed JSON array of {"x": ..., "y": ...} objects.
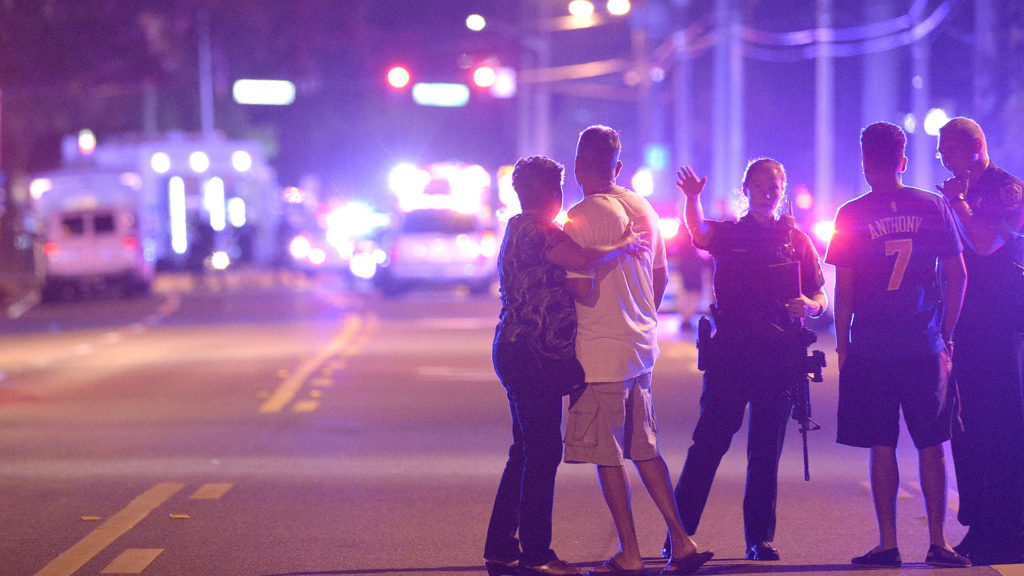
[
  {"x": 753, "y": 312},
  {"x": 988, "y": 357}
]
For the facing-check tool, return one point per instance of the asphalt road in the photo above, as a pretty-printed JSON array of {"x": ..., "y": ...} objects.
[{"x": 274, "y": 425}]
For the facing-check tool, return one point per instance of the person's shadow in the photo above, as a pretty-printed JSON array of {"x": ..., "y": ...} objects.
[{"x": 653, "y": 566}]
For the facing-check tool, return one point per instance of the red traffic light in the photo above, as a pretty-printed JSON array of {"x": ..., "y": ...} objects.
[
  {"x": 485, "y": 76},
  {"x": 398, "y": 77}
]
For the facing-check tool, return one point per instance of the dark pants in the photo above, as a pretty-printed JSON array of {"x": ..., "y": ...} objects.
[
  {"x": 722, "y": 404},
  {"x": 988, "y": 455},
  {"x": 527, "y": 489}
]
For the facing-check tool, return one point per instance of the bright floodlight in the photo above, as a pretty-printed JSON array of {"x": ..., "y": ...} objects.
[
  {"x": 236, "y": 212},
  {"x": 86, "y": 142},
  {"x": 408, "y": 179},
  {"x": 440, "y": 94},
  {"x": 40, "y": 186},
  {"x": 934, "y": 120},
  {"x": 398, "y": 77},
  {"x": 160, "y": 162},
  {"x": 669, "y": 227},
  {"x": 213, "y": 201},
  {"x": 823, "y": 230},
  {"x": 220, "y": 260},
  {"x": 643, "y": 182},
  {"x": 618, "y": 7},
  {"x": 176, "y": 209},
  {"x": 581, "y": 8},
  {"x": 263, "y": 92},
  {"x": 241, "y": 160},
  {"x": 198, "y": 161},
  {"x": 475, "y": 22}
]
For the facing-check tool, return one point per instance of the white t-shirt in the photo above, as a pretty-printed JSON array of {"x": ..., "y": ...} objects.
[{"x": 617, "y": 338}]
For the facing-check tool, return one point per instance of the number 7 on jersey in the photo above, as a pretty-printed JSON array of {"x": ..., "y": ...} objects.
[{"x": 902, "y": 249}]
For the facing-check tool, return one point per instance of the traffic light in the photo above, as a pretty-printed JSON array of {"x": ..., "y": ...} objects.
[
  {"x": 399, "y": 77},
  {"x": 485, "y": 76}
]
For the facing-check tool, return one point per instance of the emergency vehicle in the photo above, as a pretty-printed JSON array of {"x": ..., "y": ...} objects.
[
  {"x": 191, "y": 201},
  {"x": 445, "y": 231}
]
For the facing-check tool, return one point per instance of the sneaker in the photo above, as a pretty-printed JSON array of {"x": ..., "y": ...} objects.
[
  {"x": 890, "y": 557},
  {"x": 942, "y": 557}
]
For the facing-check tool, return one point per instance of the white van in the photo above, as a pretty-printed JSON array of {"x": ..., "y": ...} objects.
[{"x": 97, "y": 247}]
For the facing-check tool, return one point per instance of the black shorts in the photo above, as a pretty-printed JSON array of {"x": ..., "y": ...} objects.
[{"x": 872, "y": 391}]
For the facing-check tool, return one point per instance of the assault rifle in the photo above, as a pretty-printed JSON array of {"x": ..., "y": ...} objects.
[
  {"x": 803, "y": 367},
  {"x": 800, "y": 365}
]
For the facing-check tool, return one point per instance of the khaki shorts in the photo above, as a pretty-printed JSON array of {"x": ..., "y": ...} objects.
[{"x": 610, "y": 422}]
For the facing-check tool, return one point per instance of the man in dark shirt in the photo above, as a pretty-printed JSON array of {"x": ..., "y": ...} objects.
[{"x": 988, "y": 361}]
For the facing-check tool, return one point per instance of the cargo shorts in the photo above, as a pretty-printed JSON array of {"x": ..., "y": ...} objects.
[{"x": 611, "y": 422}]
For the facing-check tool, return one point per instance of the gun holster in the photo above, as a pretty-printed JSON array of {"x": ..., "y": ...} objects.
[{"x": 705, "y": 347}]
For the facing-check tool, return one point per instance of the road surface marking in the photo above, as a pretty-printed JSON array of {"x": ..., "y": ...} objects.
[
  {"x": 132, "y": 561},
  {"x": 287, "y": 390},
  {"x": 211, "y": 491},
  {"x": 78, "y": 555},
  {"x": 1009, "y": 569},
  {"x": 305, "y": 406}
]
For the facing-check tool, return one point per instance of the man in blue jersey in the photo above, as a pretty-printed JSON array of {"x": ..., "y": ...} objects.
[{"x": 894, "y": 318}]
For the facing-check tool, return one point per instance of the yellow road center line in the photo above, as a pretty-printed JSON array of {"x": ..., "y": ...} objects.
[
  {"x": 132, "y": 561},
  {"x": 78, "y": 555},
  {"x": 211, "y": 491},
  {"x": 1009, "y": 569},
  {"x": 287, "y": 390},
  {"x": 305, "y": 406}
]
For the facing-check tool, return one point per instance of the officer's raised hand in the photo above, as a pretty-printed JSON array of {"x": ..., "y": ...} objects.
[{"x": 688, "y": 182}]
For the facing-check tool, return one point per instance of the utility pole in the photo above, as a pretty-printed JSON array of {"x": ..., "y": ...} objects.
[
  {"x": 922, "y": 144},
  {"x": 727, "y": 107},
  {"x": 205, "y": 74},
  {"x": 824, "y": 113}
]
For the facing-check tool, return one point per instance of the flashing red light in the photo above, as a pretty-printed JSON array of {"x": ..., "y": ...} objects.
[
  {"x": 485, "y": 76},
  {"x": 399, "y": 77},
  {"x": 130, "y": 243},
  {"x": 51, "y": 249}
]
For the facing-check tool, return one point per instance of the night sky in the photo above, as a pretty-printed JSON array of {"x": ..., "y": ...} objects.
[{"x": 67, "y": 65}]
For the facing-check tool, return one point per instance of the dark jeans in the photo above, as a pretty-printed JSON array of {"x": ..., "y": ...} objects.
[
  {"x": 722, "y": 404},
  {"x": 527, "y": 489}
]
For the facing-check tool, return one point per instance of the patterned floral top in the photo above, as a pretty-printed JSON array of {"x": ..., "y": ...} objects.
[{"x": 535, "y": 305}]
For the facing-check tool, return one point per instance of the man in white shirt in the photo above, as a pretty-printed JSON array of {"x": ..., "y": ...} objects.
[{"x": 612, "y": 419}]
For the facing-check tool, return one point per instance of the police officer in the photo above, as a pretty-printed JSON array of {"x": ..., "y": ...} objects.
[
  {"x": 753, "y": 311},
  {"x": 988, "y": 356}
]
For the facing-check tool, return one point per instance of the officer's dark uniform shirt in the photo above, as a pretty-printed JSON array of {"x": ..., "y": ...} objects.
[
  {"x": 535, "y": 305},
  {"x": 750, "y": 286},
  {"x": 892, "y": 240},
  {"x": 995, "y": 283}
]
